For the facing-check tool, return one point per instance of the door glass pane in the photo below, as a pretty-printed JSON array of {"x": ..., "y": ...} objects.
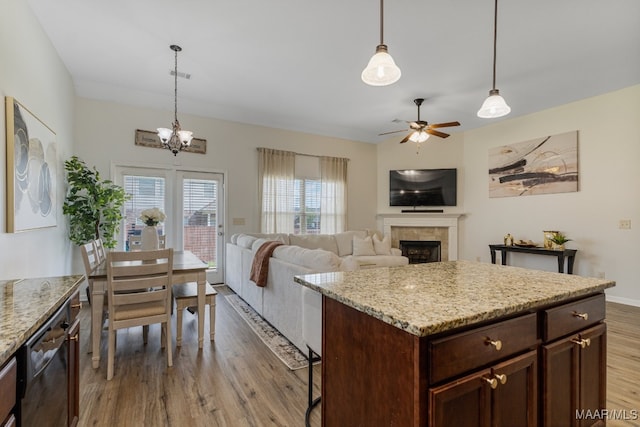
[
  {"x": 200, "y": 218},
  {"x": 146, "y": 192}
]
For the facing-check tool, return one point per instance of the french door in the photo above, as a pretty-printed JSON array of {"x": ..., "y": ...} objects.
[{"x": 194, "y": 206}]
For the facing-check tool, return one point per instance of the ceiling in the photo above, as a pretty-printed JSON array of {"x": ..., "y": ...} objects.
[{"x": 296, "y": 64}]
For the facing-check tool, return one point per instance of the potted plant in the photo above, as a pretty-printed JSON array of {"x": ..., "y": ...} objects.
[
  {"x": 93, "y": 205},
  {"x": 558, "y": 240}
]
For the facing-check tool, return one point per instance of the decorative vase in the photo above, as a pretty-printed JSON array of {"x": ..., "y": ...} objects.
[
  {"x": 150, "y": 241},
  {"x": 557, "y": 247}
]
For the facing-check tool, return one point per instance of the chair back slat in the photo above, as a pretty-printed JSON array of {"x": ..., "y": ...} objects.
[
  {"x": 130, "y": 298},
  {"x": 89, "y": 257},
  {"x": 101, "y": 253}
]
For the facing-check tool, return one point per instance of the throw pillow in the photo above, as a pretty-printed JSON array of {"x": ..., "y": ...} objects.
[
  {"x": 382, "y": 247},
  {"x": 363, "y": 247}
]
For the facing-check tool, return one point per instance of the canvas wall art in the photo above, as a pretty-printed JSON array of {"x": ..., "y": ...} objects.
[
  {"x": 31, "y": 170},
  {"x": 544, "y": 165}
]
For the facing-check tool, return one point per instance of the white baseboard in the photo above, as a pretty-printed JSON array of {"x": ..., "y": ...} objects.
[{"x": 623, "y": 300}]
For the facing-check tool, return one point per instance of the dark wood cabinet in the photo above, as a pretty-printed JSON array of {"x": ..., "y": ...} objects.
[
  {"x": 540, "y": 367},
  {"x": 503, "y": 395},
  {"x": 73, "y": 361},
  {"x": 8, "y": 379},
  {"x": 574, "y": 379}
]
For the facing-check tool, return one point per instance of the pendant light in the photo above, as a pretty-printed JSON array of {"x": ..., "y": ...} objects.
[
  {"x": 495, "y": 105},
  {"x": 175, "y": 139},
  {"x": 381, "y": 69}
]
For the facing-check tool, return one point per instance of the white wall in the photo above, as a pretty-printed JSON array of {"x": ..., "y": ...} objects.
[
  {"x": 105, "y": 135},
  {"x": 608, "y": 150},
  {"x": 32, "y": 73}
]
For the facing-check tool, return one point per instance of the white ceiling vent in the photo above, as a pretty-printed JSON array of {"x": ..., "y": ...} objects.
[{"x": 182, "y": 75}]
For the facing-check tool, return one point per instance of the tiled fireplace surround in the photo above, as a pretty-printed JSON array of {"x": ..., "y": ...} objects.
[{"x": 437, "y": 227}]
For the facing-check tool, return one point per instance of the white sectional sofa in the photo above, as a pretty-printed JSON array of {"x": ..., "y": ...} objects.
[{"x": 280, "y": 301}]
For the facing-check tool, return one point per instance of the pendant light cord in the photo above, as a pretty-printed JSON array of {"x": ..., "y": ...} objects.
[
  {"x": 175, "y": 88},
  {"x": 495, "y": 37},
  {"x": 381, "y": 21}
]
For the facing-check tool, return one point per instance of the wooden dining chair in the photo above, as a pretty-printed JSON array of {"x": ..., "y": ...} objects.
[
  {"x": 100, "y": 251},
  {"x": 186, "y": 295},
  {"x": 139, "y": 294},
  {"x": 91, "y": 261},
  {"x": 135, "y": 242}
]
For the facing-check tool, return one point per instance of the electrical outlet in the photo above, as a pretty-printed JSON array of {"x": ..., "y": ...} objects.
[{"x": 624, "y": 224}]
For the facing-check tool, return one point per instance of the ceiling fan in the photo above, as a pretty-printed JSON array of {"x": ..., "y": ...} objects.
[{"x": 420, "y": 130}]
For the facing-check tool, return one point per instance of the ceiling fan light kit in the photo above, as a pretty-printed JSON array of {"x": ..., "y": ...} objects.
[
  {"x": 495, "y": 105},
  {"x": 381, "y": 69},
  {"x": 175, "y": 139}
]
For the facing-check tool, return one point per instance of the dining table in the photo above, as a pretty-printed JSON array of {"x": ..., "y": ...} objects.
[{"x": 187, "y": 267}]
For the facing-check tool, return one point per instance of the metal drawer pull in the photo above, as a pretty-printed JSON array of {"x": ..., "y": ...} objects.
[
  {"x": 79, "y": 305},
  {"x": 502, "y": 378},
  {"x": 491, "y": 381},
  {"x": 75, "y": 338},
  {"x": 582, "y": 342},
  {"x": 497, "y": 343},
  {"x": 583, "y": 316}
]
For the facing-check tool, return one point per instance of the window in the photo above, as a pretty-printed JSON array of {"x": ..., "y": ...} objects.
[
  {"x": 146, "y": 192},
  {"x": 307, "y": 206}
]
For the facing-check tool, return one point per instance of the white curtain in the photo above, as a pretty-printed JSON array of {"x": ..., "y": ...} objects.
[
  {"x": 333, "y": 194},
  {"x": 276, "y": 174}
]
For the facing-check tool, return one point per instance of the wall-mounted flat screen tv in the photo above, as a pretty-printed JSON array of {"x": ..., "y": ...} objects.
[{"x": 423, "y": 187}]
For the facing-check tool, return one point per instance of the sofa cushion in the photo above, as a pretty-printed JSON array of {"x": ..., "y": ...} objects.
[
  {"x": 345, "y": 241},
  {"x": 283, "y": 237},
  {"x": 363, "y": 246},
  {"x": 315, "y": 241},
  {"x": 382, "y": 247},
  {"x": 313, "y": 259},
  {"x": 374, "y": 261},
  {"x": 234, "y": 238},
  {"x": 246, "y": 241}
]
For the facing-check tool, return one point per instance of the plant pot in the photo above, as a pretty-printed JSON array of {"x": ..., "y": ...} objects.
[
  {"x": 149, "y": 237},
  {"x": 557, "y": 247}
]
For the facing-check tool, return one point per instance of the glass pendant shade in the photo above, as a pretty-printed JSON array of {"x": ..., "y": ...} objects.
[
  {"x": 381, "y": 69},
  {"x": 494, "y": 106},
  {"x": 419, "y": 137},
  {"x": 185, "y": 137},
  {"x": 164, "y": 134}
]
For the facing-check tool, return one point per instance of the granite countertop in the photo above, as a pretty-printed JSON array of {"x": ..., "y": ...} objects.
[
  {"x": 25, "y": 305},
  {"x": 424, "y": 299}
]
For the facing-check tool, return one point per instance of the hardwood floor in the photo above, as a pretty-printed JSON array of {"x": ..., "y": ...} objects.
[{"x": 237, "y": 381}]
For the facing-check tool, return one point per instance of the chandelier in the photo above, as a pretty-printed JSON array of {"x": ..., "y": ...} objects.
[
  {"x": 381, "y": 69},
  {"x": 175, "y": 139},
  {"x": 495, "y": 105}
]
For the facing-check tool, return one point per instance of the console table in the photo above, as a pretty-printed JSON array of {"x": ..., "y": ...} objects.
[{"x": 569, "y": 254}]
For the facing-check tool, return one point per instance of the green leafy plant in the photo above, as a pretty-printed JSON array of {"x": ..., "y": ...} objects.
[
  {"x": 559, "y": 239},
  {"x": 93, "y": 205}
]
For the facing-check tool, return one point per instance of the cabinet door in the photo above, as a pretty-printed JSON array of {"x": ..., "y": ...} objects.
[
  {"x": 560, "y": 382},
  {"x": 465, "y": 402},
  {"x": 593, "y": 379},
  {"x": 515, "y": 399},
  {"x": 73, "y": 371}
]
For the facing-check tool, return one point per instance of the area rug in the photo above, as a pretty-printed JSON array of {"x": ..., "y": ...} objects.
[{"x": 277, "y": 343}]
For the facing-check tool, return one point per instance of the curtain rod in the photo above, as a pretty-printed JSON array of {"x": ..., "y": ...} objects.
[{"x": 302, "y": 154}]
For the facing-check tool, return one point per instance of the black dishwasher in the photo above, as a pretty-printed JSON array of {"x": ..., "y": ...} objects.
[{"x": 42, "y": 374}]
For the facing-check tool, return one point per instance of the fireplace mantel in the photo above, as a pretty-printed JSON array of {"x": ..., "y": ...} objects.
[{"x": 449, "y": 221}]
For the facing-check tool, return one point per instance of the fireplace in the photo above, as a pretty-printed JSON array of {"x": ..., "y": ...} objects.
[{"x": 421, "y": 251}]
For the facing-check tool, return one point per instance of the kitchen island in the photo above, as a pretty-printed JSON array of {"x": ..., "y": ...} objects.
[
  {"x": 27, "y": 307},
  {"x": 460, "y": 343}
]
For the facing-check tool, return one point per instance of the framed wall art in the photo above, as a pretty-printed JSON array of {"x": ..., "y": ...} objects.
[
  {"x": 544, "y": 165},
  {"x": 31, "y": 170},
  {"x": 150, "y": 139}
]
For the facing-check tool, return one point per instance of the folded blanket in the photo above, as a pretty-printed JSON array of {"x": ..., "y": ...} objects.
[{"x": 260, "y": 264}]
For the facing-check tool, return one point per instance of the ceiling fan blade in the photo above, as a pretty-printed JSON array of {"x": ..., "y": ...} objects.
[
  {"x": 436, "y": 133},
  {"x": 393, "y": 131},
  {"x": 444, "y": 125},
  {"x": 406, "y": 138}
]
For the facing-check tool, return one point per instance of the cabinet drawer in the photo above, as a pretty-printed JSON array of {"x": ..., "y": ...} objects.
[
  {"x": 8, "y": 377},
  {"x": 569, "y": 318},
  {"x": 459, "y": 353}
]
